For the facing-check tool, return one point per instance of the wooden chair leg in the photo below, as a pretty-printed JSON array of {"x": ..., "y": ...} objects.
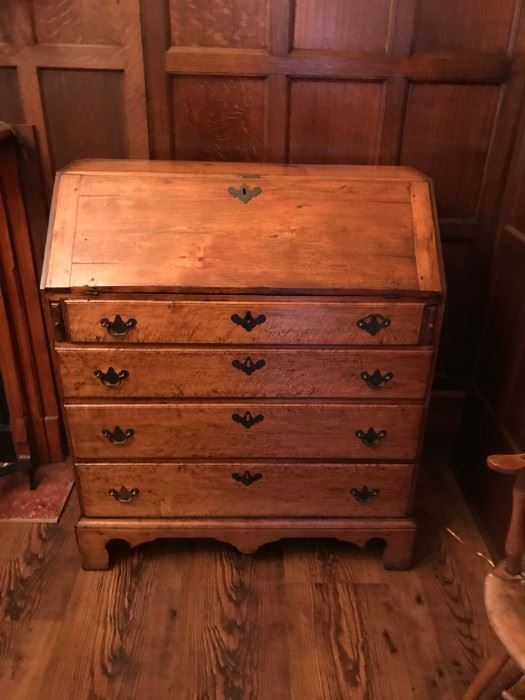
[
  {"x": 507, "y": 677},
  {"x": 497, "y": 674}
]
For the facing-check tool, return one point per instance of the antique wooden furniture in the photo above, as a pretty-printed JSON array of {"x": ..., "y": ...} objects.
[
  {"x": 505, "y": 595},
  {"x": 245, "y": 351},
  {"x": 25, "y": 362}
]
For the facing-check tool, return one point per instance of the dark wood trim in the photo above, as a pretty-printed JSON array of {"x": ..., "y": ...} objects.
[
  {"x": 27, "y": 370},
  {"x": 301, "y": 63},
  {"x": 155, "y": 38}
]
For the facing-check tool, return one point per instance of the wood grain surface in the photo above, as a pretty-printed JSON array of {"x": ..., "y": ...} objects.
[
  {"x": 352, "y": 140},
  {"x": 283, "y": 430},
  {"x": 459, "y": 177},
  {"x": 95, "y": 94},
  {"x": 237, "y": 371},
  {"x": 362, "y": 25},
  {"x": 94, "y": 534},
  {"x": 236, "y": 23},
  {"x": 211, "y": 490},
  {"x": 210, "y": 105},
  {"x": 293, "y": 232},
  {"x": 283, "y": 322},
  {"x": 300, "y": 620},
  {"x": 104, "y": 167}
]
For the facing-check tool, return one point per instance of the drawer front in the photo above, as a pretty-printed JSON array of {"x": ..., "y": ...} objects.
[
  {"x": 175, "y": 373},
  {"x": 245, "y": 430},
  {"x": 244, "y": 322},
  {"x": 168, "y": 490}
]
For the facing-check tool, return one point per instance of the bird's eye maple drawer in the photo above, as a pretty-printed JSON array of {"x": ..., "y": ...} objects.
[
  {"x": 238, "y": 489},
  {"x": 253, "y": 429},
  {"x": 264, "y": 372},
  {"x": 244, "y": 322}
]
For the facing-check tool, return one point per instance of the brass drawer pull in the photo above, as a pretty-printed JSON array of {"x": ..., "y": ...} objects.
[
  {"x": 364, "y": 494},
  {"x": 373, "y": 323},
  {"x": 123, "y": 495},
  {"x": 376, "y": 380},
  {"x": 118, "y": 326},
  {"x": 247, "y": 420},
  {"x": 247, "y": 478},
  {"x": 111, "y": 377},
  {"x": 371, "y": 437},
  {"x": 118, "y": 436},
  {"x": 248, "y": 321},
  {"x": 248, "y": 366}
]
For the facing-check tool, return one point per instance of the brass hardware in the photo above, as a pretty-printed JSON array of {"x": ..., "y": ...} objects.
[
  {"x": 111, "y": 378},
  {"x": 118, "y": 326},
  {"x": 247, "y": 478},
  {"x": 244, "y": 192},
  {"x": 248, "y": 321},
  {"x": 118, "y": 436},
  {"x": 123, "y": 495},
  {"x": 248, "y": 366},
  {"x": 94, "y": 291},
  {"x": 376, "y": 379},
  {"x": 247, "y": 420},
  {"x": 371, "y": 437},
  {"x": 364, "y": 494},
  {"x": 373, "y": 323}
]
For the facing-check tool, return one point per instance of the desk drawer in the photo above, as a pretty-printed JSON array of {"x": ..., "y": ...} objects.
[
  {"x": 251, "y": 429},
  {"x": 205, "y": 373},
  {"x": 245, "y": 322},
  {"x": 170, "y": 490}
]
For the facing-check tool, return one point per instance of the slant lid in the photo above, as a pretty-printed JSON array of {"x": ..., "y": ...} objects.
[{"x": 242, "y": 227}]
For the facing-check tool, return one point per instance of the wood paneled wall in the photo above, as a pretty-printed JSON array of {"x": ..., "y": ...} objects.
[
  {"x": 430, "y": 83},
  {"x": 495, "y": 410}
]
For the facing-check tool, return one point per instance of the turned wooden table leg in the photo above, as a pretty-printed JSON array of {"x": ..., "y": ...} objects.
[
  {"x": 92, "y": 546},
  {"x": 399, "y": 551}
]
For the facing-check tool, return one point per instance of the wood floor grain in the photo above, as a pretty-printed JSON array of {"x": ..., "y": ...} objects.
[{"x": 199, "y": 621}]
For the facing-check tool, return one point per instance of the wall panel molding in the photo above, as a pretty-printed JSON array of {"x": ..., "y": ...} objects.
[{"x": 72, "y": 42}]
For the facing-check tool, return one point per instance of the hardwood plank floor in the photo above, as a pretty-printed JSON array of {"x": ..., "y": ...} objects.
[{"x": 198, "y": 621}]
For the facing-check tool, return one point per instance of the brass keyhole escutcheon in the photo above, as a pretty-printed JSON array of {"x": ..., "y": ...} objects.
[{"x": 244, "y": 193}]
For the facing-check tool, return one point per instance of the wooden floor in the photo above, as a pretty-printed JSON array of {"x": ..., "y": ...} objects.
[{"x": 198, "y": 621}]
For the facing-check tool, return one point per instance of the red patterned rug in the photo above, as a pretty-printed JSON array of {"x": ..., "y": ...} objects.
[{"x": 46, "y": 503}]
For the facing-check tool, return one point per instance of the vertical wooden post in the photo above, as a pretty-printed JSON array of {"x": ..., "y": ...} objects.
[{"x": 26, "y": 369}]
